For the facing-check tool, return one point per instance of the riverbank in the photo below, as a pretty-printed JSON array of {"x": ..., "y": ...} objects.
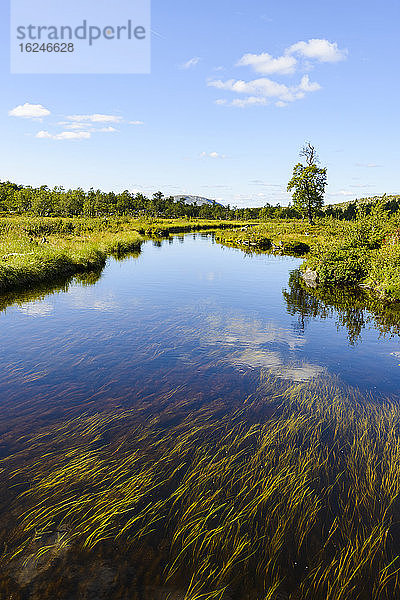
[
  {"x": 283, "y": 236},
  {"x": 27, "y": 261},
  {"x": 34, "y": 251},
  {"x": 364, "y": 252}
]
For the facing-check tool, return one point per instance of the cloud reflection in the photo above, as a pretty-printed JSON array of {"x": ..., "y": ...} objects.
[
  {"x": 36, "y": 309},
  {"x": 254, "y": 343}
]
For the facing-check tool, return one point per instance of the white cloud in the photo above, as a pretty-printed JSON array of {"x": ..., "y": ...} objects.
[
  {"x": 308, "y": 86},
  {"x": 258, "y": 91},
  {"x": 267, "y": 65},
  {"x": 318, "y": 49},
  {"x": 29, "y": 111},
  {"x": 71, "y": 125},
  {"x": 64, "y": 135},
  {"x": 212, "y": 155},
  {"x": 95, "y": 118},
  {"x": 250, "y": 101},
  {"x": 85, "y": 126},
  {"x": 136, "y": 122},
  {"x": 193, "y": 62},
  {"x": 258, "y": 87}
]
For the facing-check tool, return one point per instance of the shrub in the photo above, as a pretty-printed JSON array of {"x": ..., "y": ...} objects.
[
  {"x": 340, "y": 264},
  {"x": 384, "y": 274}
]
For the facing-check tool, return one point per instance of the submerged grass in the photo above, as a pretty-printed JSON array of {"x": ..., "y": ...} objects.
[{"x": 293, "y": 495}]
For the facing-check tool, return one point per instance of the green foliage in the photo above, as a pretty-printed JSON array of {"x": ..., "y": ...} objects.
[
  {"x": 308, "y": 182},
  {"x": 27, "y": 262},
  {"x": 339, "y": 264},
  {"x": 367, "y": 251},
  {"x": 384, "y": 273}
]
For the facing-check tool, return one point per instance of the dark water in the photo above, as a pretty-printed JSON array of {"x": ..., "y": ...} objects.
[{"x": 187, "y": 314}]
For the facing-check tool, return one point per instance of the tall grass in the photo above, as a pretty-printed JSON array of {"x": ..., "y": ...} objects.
[
  {"x": 27, "y": 262},
  {"x": 35, "y": 251},
  {"x": 293, "y": 495}
]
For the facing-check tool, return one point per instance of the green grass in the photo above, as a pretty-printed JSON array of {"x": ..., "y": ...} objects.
[
  {"x": 75, "y": 245},
  {"x": 296, "y": 493},
  {"x": 283, "y": 236},
  {"x": 26, "y": 263},
  {"x": 343, "y": 253}
]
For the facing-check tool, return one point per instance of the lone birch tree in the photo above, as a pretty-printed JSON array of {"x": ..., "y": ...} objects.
[{"x": 308, "y": 183}]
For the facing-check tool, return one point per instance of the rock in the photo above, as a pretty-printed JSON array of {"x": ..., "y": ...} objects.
[{"x": 310, "y": 278}]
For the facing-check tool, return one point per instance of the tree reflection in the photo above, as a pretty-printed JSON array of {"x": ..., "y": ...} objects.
[{"x": 354, "y": 309}]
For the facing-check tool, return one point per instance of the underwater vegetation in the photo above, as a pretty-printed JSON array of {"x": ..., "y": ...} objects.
[{"x": 293, "y": 493}]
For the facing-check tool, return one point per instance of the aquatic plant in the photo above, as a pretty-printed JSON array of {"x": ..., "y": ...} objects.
[{"x": 295, "y": 493}]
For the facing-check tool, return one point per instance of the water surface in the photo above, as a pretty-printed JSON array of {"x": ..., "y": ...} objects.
[{"x": 186, "y": 314}]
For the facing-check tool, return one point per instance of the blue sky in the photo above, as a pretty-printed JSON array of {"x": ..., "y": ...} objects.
[{"x": 236, "y": 88}]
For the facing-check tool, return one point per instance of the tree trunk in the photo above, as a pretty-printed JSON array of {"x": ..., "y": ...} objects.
[{"x": 310, "y": 219}]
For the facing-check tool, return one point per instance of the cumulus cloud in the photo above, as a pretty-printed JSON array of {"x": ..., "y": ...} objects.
[
  {"x": 95, "y": 118},
  {"x": 64, "y": 135},
  {"x": 29, "y": 111},
  {"x": 72, "y": 127},
  {"x": 268, "y": 65},
  {"x": 263, "y": 91},
  {"x": 260, "y": 91},
  {"x": 193, "y": 62},
  {"x": 318, "y": 49}
]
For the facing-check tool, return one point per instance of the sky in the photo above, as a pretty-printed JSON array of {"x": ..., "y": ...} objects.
[{"x": 235, "y": 90}]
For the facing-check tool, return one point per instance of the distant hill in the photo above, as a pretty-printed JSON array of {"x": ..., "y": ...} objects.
[
  {"x": 199, "y": 200},
  {"x": 370, "y": 200}
]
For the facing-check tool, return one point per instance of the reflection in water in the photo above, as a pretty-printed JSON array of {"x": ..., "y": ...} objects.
[
  {"x": 257, "y": 343},
  {"x": 150, "y": 416},
  {"x": 353, "y": 309}
]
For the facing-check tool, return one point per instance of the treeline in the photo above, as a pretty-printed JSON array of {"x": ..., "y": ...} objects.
[
  {"x": 46, "y": 202},
  {"x": 59, "y": 202},
  {"x": 349, "y": 211}
]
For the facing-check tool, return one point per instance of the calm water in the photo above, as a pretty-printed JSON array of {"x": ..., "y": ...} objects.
[{"x": 186, "y": 314}]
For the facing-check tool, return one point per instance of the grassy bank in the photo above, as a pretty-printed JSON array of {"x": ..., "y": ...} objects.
[
  {"x": 27, "y": 262},
  {"x": 363, "y": 252},
  {"x": 367, "y": 253},
  {"x": 293, "y": 495},
  {"x": 284, "y": 236},
  {"x": 34, "y": 251}
]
